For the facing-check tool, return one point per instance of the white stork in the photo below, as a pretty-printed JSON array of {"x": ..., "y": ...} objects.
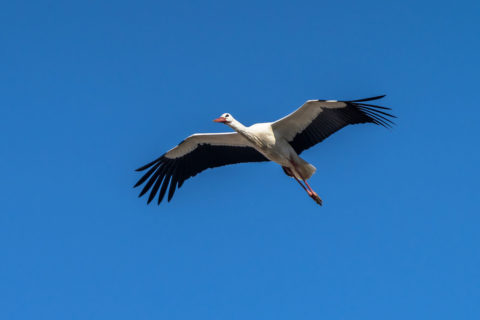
[{"x": 280, "y": 141}]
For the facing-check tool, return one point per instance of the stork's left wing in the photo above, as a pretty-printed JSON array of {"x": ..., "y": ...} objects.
[
  {"x": 318, "y": 119},
  {"x": 193, "y": 155}
]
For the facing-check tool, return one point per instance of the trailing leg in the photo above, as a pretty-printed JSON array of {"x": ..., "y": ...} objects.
[
  {"x": 313, "y": 194},
  {"x": 305, "y": 187},
  {"x": 289, "y": 173}
]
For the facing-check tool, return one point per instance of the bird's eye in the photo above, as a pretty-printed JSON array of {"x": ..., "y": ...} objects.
[{"x": 227, "y": 115}]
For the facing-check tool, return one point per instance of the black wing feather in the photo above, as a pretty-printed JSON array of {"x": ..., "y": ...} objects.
[
  {"x": 331, "y": 120},
  {"x": 166, "y": 172}
]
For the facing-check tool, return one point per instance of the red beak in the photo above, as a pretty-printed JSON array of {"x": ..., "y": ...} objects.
[{"x": 221, "y": 120}]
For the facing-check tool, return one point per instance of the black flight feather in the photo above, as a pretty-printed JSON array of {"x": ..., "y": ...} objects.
[
  {"x": 173, "y": 172},
  {"x": 330, "y": 120}
]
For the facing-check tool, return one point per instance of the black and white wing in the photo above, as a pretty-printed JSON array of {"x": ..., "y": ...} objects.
[
  {"x": 193, "y": 155},
  {"x": 318, "y": 119}
]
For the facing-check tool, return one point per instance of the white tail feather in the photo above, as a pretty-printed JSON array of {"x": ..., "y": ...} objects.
[{"x": 306, "y": 170}]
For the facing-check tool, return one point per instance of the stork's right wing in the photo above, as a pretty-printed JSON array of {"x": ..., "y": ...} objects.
[{"x": 193, "y": 155}]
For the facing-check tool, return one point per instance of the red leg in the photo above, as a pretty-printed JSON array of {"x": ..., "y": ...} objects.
[
  {"x": 300, "y": 183},
  {"x": 313, "y": 194},
  {"x": 289, "y": 173},
  {"x": 308, "y": 186},
  {"x": 308, "y": 189}
]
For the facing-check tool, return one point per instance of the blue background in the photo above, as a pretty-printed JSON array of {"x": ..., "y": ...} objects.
[{"x": 91, "y": 90}]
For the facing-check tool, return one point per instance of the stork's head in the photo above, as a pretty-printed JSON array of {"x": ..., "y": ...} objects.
[{"x": 224, "y": 118}]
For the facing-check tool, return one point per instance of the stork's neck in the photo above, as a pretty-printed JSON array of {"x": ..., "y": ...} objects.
[
  {"x": 237, "y": 126},
  {"x": 240, "y": 128}
]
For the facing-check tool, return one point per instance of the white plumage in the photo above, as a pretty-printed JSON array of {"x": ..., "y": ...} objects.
[{"x": 281, "y": 141}]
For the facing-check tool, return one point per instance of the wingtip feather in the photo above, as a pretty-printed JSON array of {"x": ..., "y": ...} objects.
[
  {"x": 369, "y": 99},
  {"x": 148, "y": 165}
]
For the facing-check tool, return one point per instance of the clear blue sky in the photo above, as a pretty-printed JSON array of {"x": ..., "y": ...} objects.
[{"x": 90, "y": 90}]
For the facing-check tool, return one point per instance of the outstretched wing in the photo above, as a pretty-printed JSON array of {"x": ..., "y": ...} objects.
[
  {"x": 193, "y": 155},
  {"x": 318, "y": 119}
]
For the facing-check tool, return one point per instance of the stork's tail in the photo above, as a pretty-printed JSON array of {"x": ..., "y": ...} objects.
[{"x": 306, "y": 169}]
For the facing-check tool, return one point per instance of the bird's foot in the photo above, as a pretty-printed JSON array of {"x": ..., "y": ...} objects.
[{"x": 315, "y": 197}]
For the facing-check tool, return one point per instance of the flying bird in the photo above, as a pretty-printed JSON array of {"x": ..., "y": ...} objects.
[{"x": 281, "y": 141}]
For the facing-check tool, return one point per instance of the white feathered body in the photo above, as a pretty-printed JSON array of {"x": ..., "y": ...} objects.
[{"x": 274, "y": 147}]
